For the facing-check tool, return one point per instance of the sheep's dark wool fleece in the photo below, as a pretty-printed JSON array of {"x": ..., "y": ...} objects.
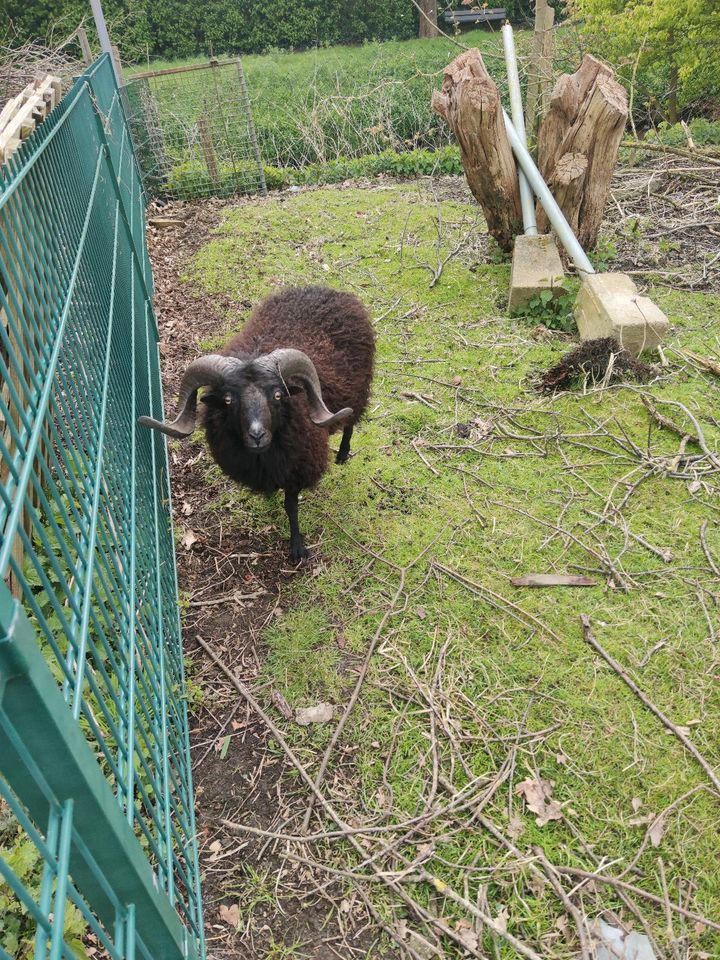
[
  {"x": 591, "y": 359},
  {"x": 333, "y": 328}
]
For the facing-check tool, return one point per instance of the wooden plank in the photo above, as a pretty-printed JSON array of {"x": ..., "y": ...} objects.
[
  {"x": 540, "y": 71},
  {"x": 84, "y": 46},
  {"x": 150, "y": 74},
  {"x": 552, "y": 580}
]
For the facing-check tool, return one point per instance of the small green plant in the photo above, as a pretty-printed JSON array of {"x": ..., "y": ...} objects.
[
  {"x": 604, "y": 254},
  {"x": 17, "y": 927},
  {"x": 549, "y": 309}
]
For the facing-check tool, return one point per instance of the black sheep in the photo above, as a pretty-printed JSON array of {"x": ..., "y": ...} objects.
[{"x": 266, "y": 421}]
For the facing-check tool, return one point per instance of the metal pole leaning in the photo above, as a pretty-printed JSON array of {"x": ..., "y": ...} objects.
[
  {"x": 104, "y": 37},
  {"x": 527, "y": 200},
  {"x": 555, "y": 215}
]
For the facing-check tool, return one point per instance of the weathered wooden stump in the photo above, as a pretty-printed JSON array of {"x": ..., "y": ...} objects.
[
  {"x": 470, "y": 103},
  {"x": 578, "y": 144}
]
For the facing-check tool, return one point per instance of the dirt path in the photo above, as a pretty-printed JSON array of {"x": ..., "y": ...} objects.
[{"x": 230, "y": 586}]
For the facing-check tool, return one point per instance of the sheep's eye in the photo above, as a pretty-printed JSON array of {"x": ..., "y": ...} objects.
[{"x": 278, "y": 394}]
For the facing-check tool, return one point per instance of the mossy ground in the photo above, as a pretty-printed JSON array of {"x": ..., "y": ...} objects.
[{"x": 508, "y": 694}]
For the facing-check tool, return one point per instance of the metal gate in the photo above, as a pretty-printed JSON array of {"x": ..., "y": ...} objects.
[{"x": 98, "y": 851}]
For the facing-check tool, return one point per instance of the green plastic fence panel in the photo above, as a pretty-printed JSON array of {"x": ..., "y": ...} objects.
[{"x": 98, "y": 852}]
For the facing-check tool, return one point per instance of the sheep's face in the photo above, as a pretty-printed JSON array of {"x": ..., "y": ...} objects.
[{"x": 251, "y": 406}]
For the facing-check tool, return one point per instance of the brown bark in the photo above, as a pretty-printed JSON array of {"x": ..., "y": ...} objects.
[
  {"x": 470, "y": 103},
  {"x": 428, "y": 26},
  {"x": 566, "y": 184},
  {"x": 586, "y": 120},
  {"x": 567, "y": 96}
]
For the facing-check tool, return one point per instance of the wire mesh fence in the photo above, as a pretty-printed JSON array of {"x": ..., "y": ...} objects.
[
  {"x": 194, "y": 132},
  {"x": 97, "y": 833}
]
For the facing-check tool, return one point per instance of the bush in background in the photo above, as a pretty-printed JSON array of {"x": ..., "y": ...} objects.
[{"x": 666, "y": 49}]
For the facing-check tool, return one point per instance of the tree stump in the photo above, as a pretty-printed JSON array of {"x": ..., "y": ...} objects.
[
  {"x": 470, "y": 103},
  {"x": 585, "y": 122}
]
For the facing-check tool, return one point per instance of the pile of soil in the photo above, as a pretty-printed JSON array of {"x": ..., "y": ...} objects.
[{"x": 594, "y": 361}]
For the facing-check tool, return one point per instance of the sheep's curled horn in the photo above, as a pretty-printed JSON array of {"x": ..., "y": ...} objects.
[{"x": 212, "y": 370}]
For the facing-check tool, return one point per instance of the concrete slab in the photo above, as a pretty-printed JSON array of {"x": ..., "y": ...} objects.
[
  {"x": 609, "y": 305},
  {"x": 536, "y": 267}
]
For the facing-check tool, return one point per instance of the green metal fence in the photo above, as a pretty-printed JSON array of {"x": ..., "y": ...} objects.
[{"x": 97, "y": 838}]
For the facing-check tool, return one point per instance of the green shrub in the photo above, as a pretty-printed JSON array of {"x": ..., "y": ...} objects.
[
  {"x": 666, "y": 49},
  {"x": 189, "y": 180},
  {"x": 705, "y": 133}
]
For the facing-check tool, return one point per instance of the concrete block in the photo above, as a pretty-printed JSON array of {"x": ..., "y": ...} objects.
[
  {"x": 609, "y": 305},
  {"x": 536, "y": 267}
]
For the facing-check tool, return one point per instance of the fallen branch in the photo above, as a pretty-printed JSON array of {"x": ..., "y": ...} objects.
[
  {"x": 643, "y": 697},
  {"x": 393, "y": 885},
  {"x": 638, "y": 891}
]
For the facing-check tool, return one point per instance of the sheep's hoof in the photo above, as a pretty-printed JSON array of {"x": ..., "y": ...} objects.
[
  {"x": 298, "y": 552},
  {"x": 342, "y": 456}
]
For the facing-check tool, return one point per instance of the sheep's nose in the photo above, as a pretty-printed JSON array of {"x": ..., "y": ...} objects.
[{"x": 257, "y": 435}]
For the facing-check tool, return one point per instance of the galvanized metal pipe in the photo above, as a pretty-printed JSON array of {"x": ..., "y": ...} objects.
[
  {"x": 527, "y": 199},
  {"x": 540, "y": 188},
  {"x": 103, "y": 36}
]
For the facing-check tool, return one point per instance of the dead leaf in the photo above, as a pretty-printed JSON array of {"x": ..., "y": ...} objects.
[
  {"x": 230, "y": 915},
  {"x": 552, "y": 580},
  {"x": 516, "y": 827},
  {"x": 636, "y": 804},
  {"x": 189, "y": 539},
  {"x": 641, "y": 821},
  {"x": 656, "y": 831},
  {"x": 420, "y": 613},
  {"x": 457, "y": 381},
  {"x": 699, "y": 928},
  {"x": 322, "y": 713},
  {"x": 502, "y": 918},
  {"x": 281, "y": 704},
  {"x": 537, "y": 794},
  {"x": 468, "y": 936},
  {"x": 187, "y": 508},
  {"x": 215, "y": 849}
]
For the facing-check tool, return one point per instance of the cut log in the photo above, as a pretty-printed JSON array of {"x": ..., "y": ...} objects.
[
  {"x": 567, "y": 96},
  {"x": 587, "y": 119},
  {"x": 470, "y": 103}
]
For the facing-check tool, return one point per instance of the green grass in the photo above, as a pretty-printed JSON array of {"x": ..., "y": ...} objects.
[
  {"x": 481, "y": 504},
  {"x": 343, "y": 101}
]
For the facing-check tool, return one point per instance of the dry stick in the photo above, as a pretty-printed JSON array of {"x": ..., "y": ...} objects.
[
  {"x": 666, "y": 422},
  {"x": 686, "y": 742},
  {"x": 361, "y": 676},
  {"x": 638, "y": 891},
  {"x": 586, "y": 950},
  {"x": 500, "y": 602},
  {"x": 661, "y": 148},
  {"x": 706, "y": 550},
  {"x": 438, "y": 885}
]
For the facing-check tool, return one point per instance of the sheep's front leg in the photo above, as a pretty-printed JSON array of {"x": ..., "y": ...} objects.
[
  {"x": 344, "y": 451},
  {"x": 298, "y": 550}
]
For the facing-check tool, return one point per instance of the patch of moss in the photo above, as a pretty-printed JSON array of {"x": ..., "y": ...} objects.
[{"x": 488, "y": 505}]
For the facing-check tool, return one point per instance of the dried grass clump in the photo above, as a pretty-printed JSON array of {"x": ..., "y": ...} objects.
[
  {"x": 20, "y": 65},
  {"x": 595, "y": 361}
]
